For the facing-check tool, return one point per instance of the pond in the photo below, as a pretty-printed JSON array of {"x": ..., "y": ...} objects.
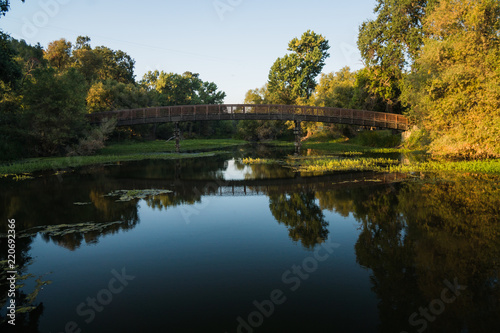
[{"x": 213, "y": 245}]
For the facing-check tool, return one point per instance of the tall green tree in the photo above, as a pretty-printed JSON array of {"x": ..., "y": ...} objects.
[
  {"x": 390, "y": 44},
  {"x": 54, "y": 109},
  {"x": 115, "y": 65},
  {"x": 454, "y": 91},
  {"x": 10, "y": 71},
  {"x": 294, "y": 76}
]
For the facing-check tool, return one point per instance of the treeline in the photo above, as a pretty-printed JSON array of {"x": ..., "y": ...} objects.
[
  {"x": 45, "y": 94},
  {"x": 435, "y": 61}
]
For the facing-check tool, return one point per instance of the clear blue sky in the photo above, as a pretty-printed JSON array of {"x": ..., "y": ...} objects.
[{"x": 233, "y": 47}]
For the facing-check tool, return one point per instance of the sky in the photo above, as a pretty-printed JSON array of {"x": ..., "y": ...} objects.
[{"x": 233, "y": 43}]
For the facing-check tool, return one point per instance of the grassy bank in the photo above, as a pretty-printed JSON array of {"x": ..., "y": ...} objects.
[
  {"x": 342, "y": 146},
  {"x": 381, "y": 164},
  {"x": 118, "y": 152},
  {"x": 343, "y": 155}
]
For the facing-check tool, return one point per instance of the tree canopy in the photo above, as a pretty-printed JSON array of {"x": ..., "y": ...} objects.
[
  {"x": 294, "y": 75},
  {"x": 185, "y": 89},
  {"x": 454, "y": 90},
  {"x": 390, "y": 44}
]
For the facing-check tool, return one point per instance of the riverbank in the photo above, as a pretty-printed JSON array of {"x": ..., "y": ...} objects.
[
  {"x": 342, "y": 155},
  {"x": 118, "y": 152},
  {"x": 334, "y": 155}
]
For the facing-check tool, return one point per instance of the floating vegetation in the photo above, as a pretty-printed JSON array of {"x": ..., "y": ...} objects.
[
  {"x": 17, "y": 177},
  {"x": 82, "y": 203},
  {"x": 64, "y": 229},
  {"x": 128, "y": 195},
  {"x": 27, "y": 302},
  {"x": 258, "y": 161},
  {"x": 336, "y": 164}
]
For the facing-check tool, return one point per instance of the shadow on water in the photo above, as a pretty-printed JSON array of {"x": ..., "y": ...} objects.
[{"x": 415, "y": 235}]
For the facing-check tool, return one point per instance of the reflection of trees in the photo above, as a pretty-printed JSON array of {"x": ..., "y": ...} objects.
[
  {"x": 28, "y": 319},
  {"x": 164, "y": 201},
  {"x": 415, "y": 237},
  {"x": 302, "y": 216},
  {"x": 267, "y": 171}
]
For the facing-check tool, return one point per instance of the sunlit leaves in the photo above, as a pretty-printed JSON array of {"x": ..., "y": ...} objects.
[{"x": 294, "y": 76}]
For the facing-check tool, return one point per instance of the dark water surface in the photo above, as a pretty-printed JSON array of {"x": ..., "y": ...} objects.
[{"x": 237, "y": 248}]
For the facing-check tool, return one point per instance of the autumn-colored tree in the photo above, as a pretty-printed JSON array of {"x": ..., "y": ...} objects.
[
  {"x": 454, "y": 91},
  {"x": 58, "y": 54}
]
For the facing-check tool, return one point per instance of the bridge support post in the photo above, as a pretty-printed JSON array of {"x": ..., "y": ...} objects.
[
  {"x": 177, "y": 134},
  {"x": 298, "y": 136}
]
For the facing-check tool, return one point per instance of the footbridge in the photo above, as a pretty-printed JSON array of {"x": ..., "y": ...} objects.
[{"x": 296, "y": 113}]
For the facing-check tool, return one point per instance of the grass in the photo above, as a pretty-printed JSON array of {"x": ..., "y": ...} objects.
[
  {"x": 118, "y": 152},
  {"x": 342, "y": 146},
  {"x": 333, "y": 163},
  {"x": 345, "y": 164},
  {"x": 349, "y": 148},
  {"x": 160, "y": 146},
  {"x": 491, "y": 166}
]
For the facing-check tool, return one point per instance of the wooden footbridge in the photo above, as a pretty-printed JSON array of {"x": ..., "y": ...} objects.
[{"x": 294, "y": 113}]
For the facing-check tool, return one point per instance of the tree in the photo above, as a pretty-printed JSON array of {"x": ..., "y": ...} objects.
[
  {"x": 294, "y": 76},
  {"x": 5, "y": 6},
  {"x": 185, "y": 89},
  {"x": 58, "y": 54},
  {"x": 390, "y": 44},
  {"x": 454, "y": 91},
  {"x": 10, "y": 71},
  {"x": 257, "y": 96},
  {"x": 113, "y": 95},
  {"x": 102, "y": 63},
  {"x": 336, "y": 89},
  {"x": 54, "y": 109},
  {"x": 115, "y": 65}
]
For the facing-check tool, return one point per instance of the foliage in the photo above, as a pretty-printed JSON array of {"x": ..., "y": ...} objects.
[
  {"x": 5, "y": 6},
  {"x": 10, "y": 71},
  {"x": 114, "y": 95},
  {"x": 389, "y": 45},
  {"x": 54, "y": 109},
  {"x": 384, "y": 139},
  {"x": 294, "y": 76},
  {"x": 185, "y": 89},
  {"x": 258, "y": 96},
  {"x": 454, "y": 91},
  {"x": 94, "y": 140},
  {"x": 114, "y": 65},
  {"x": 336, "y": 89},
  {"x": 58, "y": 54}
]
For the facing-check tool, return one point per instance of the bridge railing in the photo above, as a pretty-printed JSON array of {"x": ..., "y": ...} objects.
[{"x": 253, "y": 111}]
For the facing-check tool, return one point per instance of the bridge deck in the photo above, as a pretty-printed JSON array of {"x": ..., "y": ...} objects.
[{"x": 252, "y": 112}]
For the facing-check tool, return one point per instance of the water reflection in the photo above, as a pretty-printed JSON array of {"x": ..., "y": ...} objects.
[{"x": 414, "y": 234}]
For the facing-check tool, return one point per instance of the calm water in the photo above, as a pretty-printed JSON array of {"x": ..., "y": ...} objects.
[{"x": 235, "y": 248}]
